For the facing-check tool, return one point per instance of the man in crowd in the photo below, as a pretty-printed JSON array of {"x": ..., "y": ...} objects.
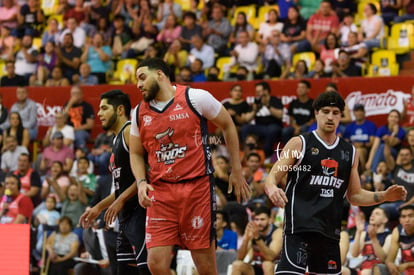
[
  {"x": 57, "y": 151},
  {"x": 69, "y": 56},
  {"x": 300, "y": 112},
  {"x": 360, "y": 133},
  {"x": 262, "y": 242},
  {"x": 9, "y": 158},
  {"x": 267, "y": 114},
  {"x": 11, "y": 78},
  {"x": 80, "y": 115},
  {"x": 402, "y": 238},
  {"x": 29, "y": 178},
  {"x": 27, "y": 109}
]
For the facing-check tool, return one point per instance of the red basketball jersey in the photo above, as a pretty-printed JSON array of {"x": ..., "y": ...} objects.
[{"x": 175, "y": 139}]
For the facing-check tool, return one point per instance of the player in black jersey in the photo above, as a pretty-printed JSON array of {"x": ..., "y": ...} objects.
[
  {"x": 315, "y": 172},
  {"x": 114, "y": 110}
]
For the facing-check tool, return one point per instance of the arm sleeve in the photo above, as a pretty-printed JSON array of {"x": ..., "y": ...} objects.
[
  {"x": 89, "y": 111},
  {"x": 134, "y": 125},
  {"x": 26, "y": 207},
  {"x": 401, "y": 133},
  {"x": 35, "y": 179},
  {"x": 204, "y": 103},
  {"x": 33, "y": 115},
  {"x": 276, "y": 102}
]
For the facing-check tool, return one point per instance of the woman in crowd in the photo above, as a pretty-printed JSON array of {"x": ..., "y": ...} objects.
[
  {"x": 371, "y": 31},
  {"x": 391, "y": 133},
  {"x": 266, "y": 28},
  {"x": 241, "y": 25},
  {"x": 327, "y": 50},
  {"x": 62, "y": 247},
  {"x": 170, "y": 32},
  {"x": 52, "y": 32},
  {"x": 294, "y": 30},
  {"x": 56, "y": 179},
  {"x": 301, "y": 71},
  {"x": 98, "y": 56},
  {"x": 318, "y": 70},
  {"x": 47, "y": 61},
  {"x": 16, "y": 129},
  {"x": 57, "y": 78}
]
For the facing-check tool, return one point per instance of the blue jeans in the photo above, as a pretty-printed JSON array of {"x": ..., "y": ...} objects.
[
  {"x": 374, "y": 43},
  {"x": 33, "y": 133},
  {"x": 102, "y": 161},
  {"x": 402, "y": 18},
  {"x": 270, "y": 133},
  {"x": 81, "y": 136}
]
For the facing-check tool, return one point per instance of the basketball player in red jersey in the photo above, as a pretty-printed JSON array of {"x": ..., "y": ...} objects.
[{"x": 169, "y": 128}]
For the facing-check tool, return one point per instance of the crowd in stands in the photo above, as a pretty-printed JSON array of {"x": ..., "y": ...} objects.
[
  {"x": 68, "y": 175},
  {"x": 53, "y": 190},
  {"x": 81, "y": 42}
]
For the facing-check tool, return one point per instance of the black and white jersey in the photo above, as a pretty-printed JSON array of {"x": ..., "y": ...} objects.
[
  {"x": 316, "y": 186},
  {"x": 122, "y": 175}
]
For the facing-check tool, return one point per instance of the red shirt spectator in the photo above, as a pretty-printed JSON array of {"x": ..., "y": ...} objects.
[
  {"x": 322, "y": 22},
  {"x": 15, "y": 206}
]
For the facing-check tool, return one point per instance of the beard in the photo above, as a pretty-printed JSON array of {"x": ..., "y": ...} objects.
[
  {"x": 110, "y": 122},
  {"x": 152, "y": 91},
  {"x": 264, "y": 229}
]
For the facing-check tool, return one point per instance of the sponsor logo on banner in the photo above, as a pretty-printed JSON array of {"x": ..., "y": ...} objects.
[
  {"x": 46, "y": 114},
  {"x": 378, "y": 103}
]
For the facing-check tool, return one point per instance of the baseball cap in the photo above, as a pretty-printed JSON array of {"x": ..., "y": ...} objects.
[
  {"x": 57, "y": 134},
  {"x": 359, "y": 107}
]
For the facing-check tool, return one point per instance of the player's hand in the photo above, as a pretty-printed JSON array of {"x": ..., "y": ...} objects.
[
  {"x": 393, "y": 269},
  {"x": 402, "y": 267},
  {"x": 249, "y": 232},
  {"x": 395, "y": 193},
  {"x": 241, "y": 188},
  {"x": 112, "y": 212},
  {"x": 360, "y": 221},
  {"x": 88, "y": 217},
  {"x": 372, "y": 231},
  {"x": 143, "y": 198},
  {"x": 276, "y": 195}
]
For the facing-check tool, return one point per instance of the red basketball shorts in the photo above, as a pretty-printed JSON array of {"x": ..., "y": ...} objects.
[{"x": 182, "y": 214}]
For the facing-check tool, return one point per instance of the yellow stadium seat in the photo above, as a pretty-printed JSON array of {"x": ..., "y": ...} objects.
[
  {"x": 308, "y": 57},
  {"x": 125, "y": 71},
  {"x": 223, "y": 64},
  {"x": 49, "y": 7},
  {"x": 185, "y": 4},
  {"x": 359, "y": 16},
  {"x": 401, "y": 39},
  {"x": 37, "y": 43},
  {"x": 262, "y": 15},
  {"x": 383, "y": 63},
  {"x": 3, "y": 71},
  {"x": 127, "y": 65},
  {"x": 250, "y": 12}
]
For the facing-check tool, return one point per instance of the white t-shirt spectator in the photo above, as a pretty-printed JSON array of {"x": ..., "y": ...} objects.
[
  {"x": 22, "y": 66},
  {"x": 265, "y": 29}
]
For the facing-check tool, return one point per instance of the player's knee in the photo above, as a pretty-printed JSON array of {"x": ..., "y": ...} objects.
[
  {"x": 379, "y": 269},
  {"x": 238, "y": 266},
  {"x": 206, "y": 267}
]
